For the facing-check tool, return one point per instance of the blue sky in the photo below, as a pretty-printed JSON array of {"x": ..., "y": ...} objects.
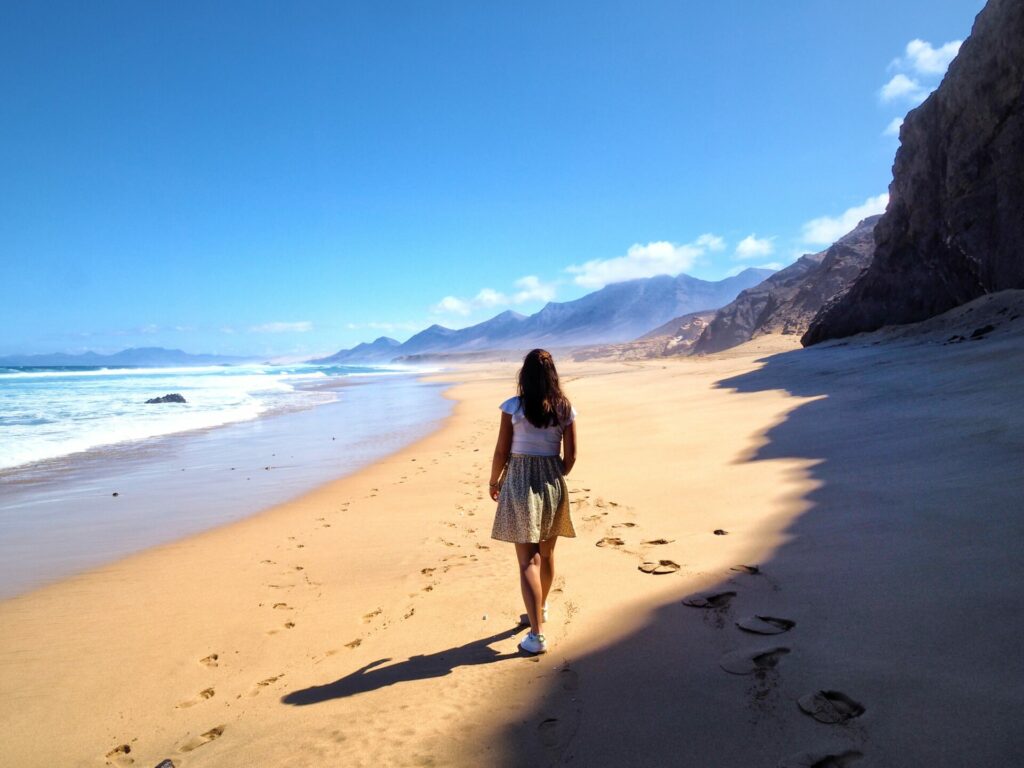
[{"x": 293, "y": 178}]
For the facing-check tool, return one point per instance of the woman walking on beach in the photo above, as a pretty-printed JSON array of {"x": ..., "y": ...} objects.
[{"x": 528, "y": 482}]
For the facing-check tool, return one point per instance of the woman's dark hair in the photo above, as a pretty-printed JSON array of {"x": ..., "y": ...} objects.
[{"x": 539, "y": 391}]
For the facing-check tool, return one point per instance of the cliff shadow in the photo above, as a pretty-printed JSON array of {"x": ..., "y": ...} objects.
[{"x": 896, "y": 584}]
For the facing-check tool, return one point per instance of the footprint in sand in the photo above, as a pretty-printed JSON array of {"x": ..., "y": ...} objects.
[
  {"x": 204, "y": 738},
  {"x": 354, "y": 643},
  {"x": 765, "y": 625},
  {"x": 205, "y": 694},
  {"x": 264, "y": 684},
  {"x": 655, "y": 542},
  {"x": 830, "y": 707},
  {"x": 282, "y": 606},
  {"x": 822, "y": 759},
  {"x": 610, "y": 541},
  {"x": 720, "y": 532},
  {"x": 753, "y": 570},
  {"x": 119, "y": 755},
  {"x": 624, "y": 525},
  {"x": 747, "y": 662},
  {"x": 368, "y": 617},
  {"x": 714, "y": 600},
  {"x": 569, "y": 679},
  {"x": 659, "y": 567},
  {"x": 210, "y": 661},
  {"x": 549, "y": 731}
]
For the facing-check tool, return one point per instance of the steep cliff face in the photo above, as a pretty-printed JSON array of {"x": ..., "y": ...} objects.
[
  {"x": 788, "y": 300},
  {"x": 954, "y": 228}
]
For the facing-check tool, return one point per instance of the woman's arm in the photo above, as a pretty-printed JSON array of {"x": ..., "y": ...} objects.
[
  {"x": 568, "y": 448},
  {"x": 501, "y": 452}
]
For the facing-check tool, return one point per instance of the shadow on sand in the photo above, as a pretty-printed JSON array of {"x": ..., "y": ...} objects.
[
  {"x": 374, "y": 676},
  {"x": 895, "y": 575}
]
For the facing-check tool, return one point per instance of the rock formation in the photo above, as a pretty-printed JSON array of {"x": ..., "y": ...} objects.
[
  {"x": 787, "y": 301},
  {"x": 174, "y": 397},
  {"x": 954, "y": 228}
]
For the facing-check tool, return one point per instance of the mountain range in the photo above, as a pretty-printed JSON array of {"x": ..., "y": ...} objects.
[{"x": 618, "y": 312}]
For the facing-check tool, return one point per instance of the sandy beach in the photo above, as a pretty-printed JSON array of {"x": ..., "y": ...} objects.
[{"x": 872, "y": 492}]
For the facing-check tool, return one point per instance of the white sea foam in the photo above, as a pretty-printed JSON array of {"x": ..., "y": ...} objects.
[{"x": 48, "y": 414}]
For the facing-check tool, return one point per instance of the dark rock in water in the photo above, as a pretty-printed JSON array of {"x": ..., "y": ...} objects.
[
  {"x": 954, "y": 228},
  {"x": 787, "y": 301},
  {"x": 115, "y": 493},
  {"x": 174, "y": 397},
  {"x": 165, "y": 764}
]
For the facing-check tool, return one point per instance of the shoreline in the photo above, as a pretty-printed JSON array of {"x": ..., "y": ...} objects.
[{"x": 87, "y": 510}]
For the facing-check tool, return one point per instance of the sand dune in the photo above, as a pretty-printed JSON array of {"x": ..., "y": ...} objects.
[{"x": 863, "y": 500}]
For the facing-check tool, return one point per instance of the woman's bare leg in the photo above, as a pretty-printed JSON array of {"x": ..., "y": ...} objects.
[
  {"x": 529, "y": 559},
  {"x": 547, "y": 567}
]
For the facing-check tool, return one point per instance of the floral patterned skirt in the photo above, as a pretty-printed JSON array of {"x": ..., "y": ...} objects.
[{"x": 533, "y": 504}]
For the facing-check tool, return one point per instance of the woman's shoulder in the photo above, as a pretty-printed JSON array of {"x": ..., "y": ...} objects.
[
  {"x": 510, "y": 406},
  {"x": 566, "y": 413}
]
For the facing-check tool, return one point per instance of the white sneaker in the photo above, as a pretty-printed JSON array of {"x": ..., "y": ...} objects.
[{"x": 533, "y": 643}]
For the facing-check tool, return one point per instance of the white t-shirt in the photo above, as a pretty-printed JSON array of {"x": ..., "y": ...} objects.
[{"x": 531, "y": 440}]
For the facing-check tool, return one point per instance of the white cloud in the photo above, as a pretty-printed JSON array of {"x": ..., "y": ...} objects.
[
  {"x": 660, "y": 258},
  {"x": 711, "y": 242},
  {"x": 903, "y": 88},
  {"x": 827, "y": 229},
  {"x": 926, "y": 60},
  {"x": 452, "y": 305},
  {"x": 771, "y": 265},
  {"x": 917, "y": 72},
  {"x": 752, "y": 247},
  {"x": 300, "y": 327},
  {"x": 893, "y": 128},
  {"x": 530, "y": 289}
]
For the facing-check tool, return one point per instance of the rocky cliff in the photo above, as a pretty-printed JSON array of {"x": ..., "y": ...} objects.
[
  {"x": 954, "y": 228},
  {"x": 788, "y": 300}
]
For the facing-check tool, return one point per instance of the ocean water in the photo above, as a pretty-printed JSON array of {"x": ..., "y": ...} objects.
[
  {"x": 47, "y": 413},
  {"x": 92, "y": 473}
]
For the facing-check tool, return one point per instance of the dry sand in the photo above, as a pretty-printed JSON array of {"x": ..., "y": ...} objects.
[{"x": 373, "y": 622}]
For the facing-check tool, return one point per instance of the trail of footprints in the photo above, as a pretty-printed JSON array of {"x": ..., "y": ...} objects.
[
  {"x": 825, "y": 706},
  {"x": 290, "y": 578}
]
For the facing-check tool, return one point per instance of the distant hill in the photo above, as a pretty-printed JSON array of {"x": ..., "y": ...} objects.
[
  {"x": 676, "y": 337},
  {"x": 378, "y": 351},
  {"x": 616, "y": 313},
  {"x": 143, "y": 357},
  {"x": 787, "y": 301}
]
